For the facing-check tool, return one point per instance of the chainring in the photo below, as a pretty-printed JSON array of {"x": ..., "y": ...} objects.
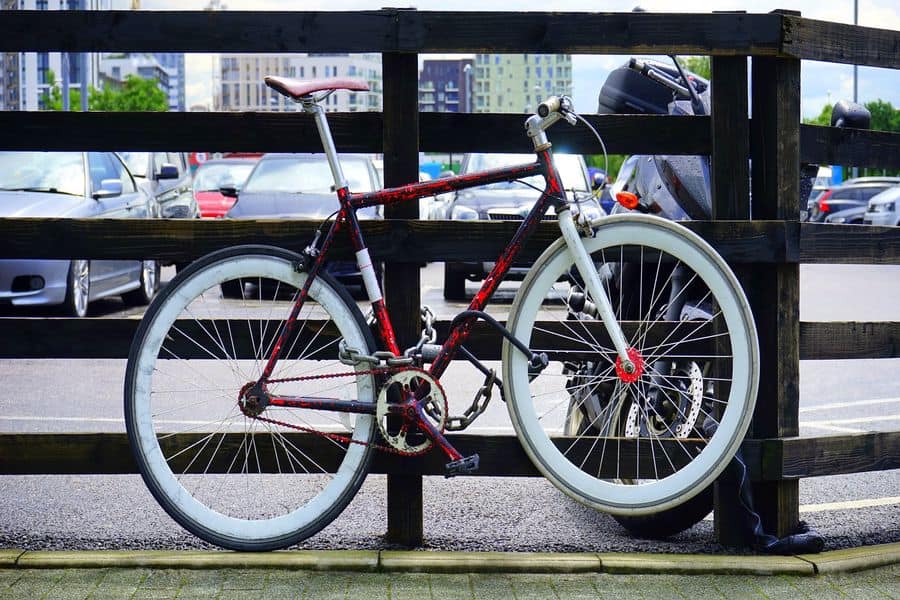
[{"x": 402, "y": 435}]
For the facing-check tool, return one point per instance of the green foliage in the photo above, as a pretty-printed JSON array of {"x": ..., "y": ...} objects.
[
  {"x": 823, "y": 119},
  {"x": 615, "y": 163},
  {"x": 136, "y": 95},
  {"x": 697, "y": 64}
]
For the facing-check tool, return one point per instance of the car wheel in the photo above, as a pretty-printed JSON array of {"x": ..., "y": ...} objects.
[
  {"x": 78, "y": 288},
  {"x": 454, "y": 283},
  {"x": 150, "y": 271}
]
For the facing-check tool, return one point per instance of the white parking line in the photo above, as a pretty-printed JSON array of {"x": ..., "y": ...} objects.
[
  {"x": 845, "y": 505},
  {"x": 849, "y": 504},
  {"x": 850, "y": 404}
]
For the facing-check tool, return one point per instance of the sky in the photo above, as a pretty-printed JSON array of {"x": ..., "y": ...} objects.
[{"x": 821, "y": 83}]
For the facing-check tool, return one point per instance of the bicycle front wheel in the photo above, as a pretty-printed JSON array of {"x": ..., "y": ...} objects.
[
  {"x": 643, "y": 442},
  {"x": 238, "y": 478}
]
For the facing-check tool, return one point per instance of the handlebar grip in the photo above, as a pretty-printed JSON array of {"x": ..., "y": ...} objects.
[{"x": 550, "y": 105}]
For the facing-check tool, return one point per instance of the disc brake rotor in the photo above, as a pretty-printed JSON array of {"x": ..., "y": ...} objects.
[
  {"x": 401, "y": 432},
  {"x": 690, "y": 402}
]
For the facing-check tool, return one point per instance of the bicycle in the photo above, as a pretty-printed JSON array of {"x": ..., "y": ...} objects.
[{"x": 253, "y": 419}]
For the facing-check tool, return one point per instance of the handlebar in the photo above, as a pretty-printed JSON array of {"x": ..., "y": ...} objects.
[
  {"x": 561, "y": 105},
  {"x": 658, "y": 76}
]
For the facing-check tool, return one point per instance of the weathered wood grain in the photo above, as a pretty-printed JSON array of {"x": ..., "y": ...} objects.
[
  {"x": 810, "y": 39},
  {"x": 389, "y": 30}
]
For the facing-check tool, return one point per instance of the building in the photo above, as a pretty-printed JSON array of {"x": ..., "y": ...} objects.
[
  {"x": 173, "y": 63},
  {"x": 445, "y": 86},
  {"x": 26, "y": 75},
  {"x": 242, "y": 87},
  {"x": 516, "y": 83},
  {"x": 117, "y": 67}
]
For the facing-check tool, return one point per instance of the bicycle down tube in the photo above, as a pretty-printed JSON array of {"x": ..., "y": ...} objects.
[{"x": 350, "y": 202}]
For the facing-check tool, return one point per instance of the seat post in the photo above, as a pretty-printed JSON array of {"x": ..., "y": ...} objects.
[{"x": 327, "y": 143}]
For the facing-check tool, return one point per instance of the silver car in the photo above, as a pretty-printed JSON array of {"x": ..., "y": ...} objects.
[
  {"x": 72, "y": 185},
  {"x": 884, "y": 208}
]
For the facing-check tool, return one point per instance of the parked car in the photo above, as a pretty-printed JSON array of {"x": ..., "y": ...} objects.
[
  {"x": 842, "y": 203},
  {"x": 212, "y": 176},
  {"x": 167, "y": 178},
  {"x": 883, "y": 208},
  {"x": 72, "y": 184},
  {"x": 505, "y": 201},
  {"x": 299, "y": 186}
]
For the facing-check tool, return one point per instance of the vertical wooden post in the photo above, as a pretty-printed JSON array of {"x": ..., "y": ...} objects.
[
  {"x": 775, "y": 141},
  {"x": 401, "y": 281},
  {"x": 730, "y": 179}
]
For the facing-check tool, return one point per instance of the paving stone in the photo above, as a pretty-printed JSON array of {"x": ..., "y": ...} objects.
[
  {"x": 409, "y": 586},
  {"x": 532, "y": 587},
  {"x": 446, "y": 586},
  {"x": 573, "y": 587},
  {"x": 486, "y": 586}
]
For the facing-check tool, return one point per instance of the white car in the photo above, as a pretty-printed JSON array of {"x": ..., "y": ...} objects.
[{"x": 883, "y": 208}]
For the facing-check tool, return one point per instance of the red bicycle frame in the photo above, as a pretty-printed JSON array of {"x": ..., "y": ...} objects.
[{"x": 553, "y": 194}]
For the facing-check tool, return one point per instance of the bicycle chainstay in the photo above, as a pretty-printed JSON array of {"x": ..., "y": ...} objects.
[{"x": 336, "y": 436}]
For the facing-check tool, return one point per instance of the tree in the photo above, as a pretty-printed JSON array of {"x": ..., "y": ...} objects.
[
  {"x": 53, "y": 100},
  {"x": 136, "y": 95},
  {"x": 700, "y": 65}
]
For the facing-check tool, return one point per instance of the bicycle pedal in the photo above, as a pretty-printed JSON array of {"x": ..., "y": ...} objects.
[{"x": 463, "y": 466}]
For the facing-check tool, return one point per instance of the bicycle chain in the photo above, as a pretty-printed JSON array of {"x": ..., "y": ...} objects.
[{"x": 336, "y": 436}]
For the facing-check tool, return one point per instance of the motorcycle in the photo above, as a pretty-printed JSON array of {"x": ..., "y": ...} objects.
[{"x": 676, "y": 188}]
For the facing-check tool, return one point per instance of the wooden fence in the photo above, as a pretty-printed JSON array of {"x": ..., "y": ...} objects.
[{"x": 765, "y": 251}]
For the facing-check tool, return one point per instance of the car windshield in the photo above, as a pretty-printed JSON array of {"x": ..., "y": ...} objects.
[
  {"x": 569, "y": 165},
  {"x": 138, "y": 162},
  {"x": 211, "y": 177},
  {"x": 57, "y": 172},
  {"x": 305, "y": 175}
]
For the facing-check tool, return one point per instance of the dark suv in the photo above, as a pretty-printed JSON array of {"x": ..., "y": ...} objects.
[{"x": 846, "y": 203}]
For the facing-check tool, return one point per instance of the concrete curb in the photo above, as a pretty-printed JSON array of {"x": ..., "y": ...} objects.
[{"x": 423, "y": 561}]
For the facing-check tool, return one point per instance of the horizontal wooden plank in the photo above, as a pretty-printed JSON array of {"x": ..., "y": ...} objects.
[
  {"x": 501, "y": 455},
  {"x": 841, "y": 43},
  {"x": 390, "y": 240},
  {"x": 852, "y": 340},
  {"x": 856, "y": 147},
  {"x": 353, "y": 132},
  {"x": 389, "y": 30},
  {"x": 825, "y": 243},
  {"x": 57, "y": 337},
  {"x": 834, "y": 455}
]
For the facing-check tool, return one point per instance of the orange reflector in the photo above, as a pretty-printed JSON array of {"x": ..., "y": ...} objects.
[{"x": 628, "y": 200}]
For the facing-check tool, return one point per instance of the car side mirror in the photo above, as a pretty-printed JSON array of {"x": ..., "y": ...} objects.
[
  {"x": 229, "y": 191},
  {"x": 109, "y": 188},
  {"x": 850, "y": 114},
  {"x": 167, "y": 171}
]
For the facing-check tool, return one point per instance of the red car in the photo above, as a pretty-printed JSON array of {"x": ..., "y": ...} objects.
[{"x": 213, "y": 175}]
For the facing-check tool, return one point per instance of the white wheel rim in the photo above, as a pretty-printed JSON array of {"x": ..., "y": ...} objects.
[
  {"x": 81, "y": 286},
  {"x": 243, "y": 529},
  {"x": 687, "y": 481}
]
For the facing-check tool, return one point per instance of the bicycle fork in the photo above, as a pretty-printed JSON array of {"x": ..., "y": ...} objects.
[{"x": 629, "y": 363}]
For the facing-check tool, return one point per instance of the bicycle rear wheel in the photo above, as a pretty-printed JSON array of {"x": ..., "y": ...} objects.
[
  {"x": 633, "y": 444},
  {"x": 231, "y": 478}
]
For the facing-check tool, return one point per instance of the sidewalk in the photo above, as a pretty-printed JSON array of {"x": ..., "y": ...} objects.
[{"x": 870, "y": 572}]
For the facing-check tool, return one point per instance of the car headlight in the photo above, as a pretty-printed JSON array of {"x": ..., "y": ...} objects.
[
  {"x": 837, "y": 220},
  {"x": 883, "y": 207},
  {"x": 463, "y": 213}
]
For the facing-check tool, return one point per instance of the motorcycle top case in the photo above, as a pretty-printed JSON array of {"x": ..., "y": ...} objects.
[{"x": 627, "y": 92}]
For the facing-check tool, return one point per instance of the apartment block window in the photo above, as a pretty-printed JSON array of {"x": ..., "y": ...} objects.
[{"x": 497, "y": 59}]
